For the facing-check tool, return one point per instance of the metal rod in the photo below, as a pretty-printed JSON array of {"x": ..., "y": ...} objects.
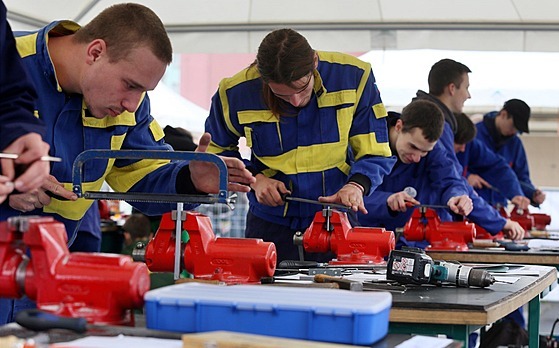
[
  {"x": 310, "y": 201},
  {"x": 42, "y": 158},
  {"x": 178, "y": 232}
]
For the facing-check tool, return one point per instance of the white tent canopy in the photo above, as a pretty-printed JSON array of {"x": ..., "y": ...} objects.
[
  {"x": 237, "y": 26},
  {"x": 171, "y": 109}
]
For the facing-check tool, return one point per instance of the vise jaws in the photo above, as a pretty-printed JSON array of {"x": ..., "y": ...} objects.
[
  {"x": 530, "y": 221},
  {"x": 102, "y": 288},
  {"x": 230, "y": 260},
  {"x": 425, "y": 224},
  {"x": 330, "y": 230}
]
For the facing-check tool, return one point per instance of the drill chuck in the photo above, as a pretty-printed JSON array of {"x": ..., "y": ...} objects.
[
  {"x": 413, "y": 266},
  {"x": 460, "y": 275}
]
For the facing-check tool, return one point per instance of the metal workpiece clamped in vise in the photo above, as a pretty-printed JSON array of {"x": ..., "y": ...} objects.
[
  {"x": 425, "y": 224},
  {"x": 413, "y": 266},
  {"x": 330, "y": 230},
  {"x": 185, "y": 240},
  {"x": 102, "y": 288}
]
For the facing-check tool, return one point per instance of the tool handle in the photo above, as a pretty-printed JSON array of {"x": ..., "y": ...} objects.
[
  {"x": 36, "y": 320},
  {"x": 484, "y": 243},
  {"x": 294, "y": 264},
  {"x": 345, "y": 284}
]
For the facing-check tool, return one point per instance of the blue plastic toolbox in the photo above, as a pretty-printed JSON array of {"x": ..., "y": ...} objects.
[{"x": 305, "y": 313}]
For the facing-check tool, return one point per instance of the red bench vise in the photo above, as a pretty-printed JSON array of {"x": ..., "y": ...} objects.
[
  {"x": 330, "y": 230},
  {"x": 425, "y": 224},
  {"x": 530, "y": 221},
  {"x": 101, "y": 288},
  {"x": 231, "y": 260}
]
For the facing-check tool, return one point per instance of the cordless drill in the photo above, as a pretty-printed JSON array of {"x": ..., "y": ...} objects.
[{"x": 413, "y": 266}]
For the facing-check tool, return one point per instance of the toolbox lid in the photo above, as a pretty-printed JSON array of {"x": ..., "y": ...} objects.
[{"x": 268, "y": 298}]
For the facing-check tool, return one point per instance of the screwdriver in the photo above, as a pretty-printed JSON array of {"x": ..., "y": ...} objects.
[
  {"x": 37, "y": 320},
  {"x": 42, "y": 158}
]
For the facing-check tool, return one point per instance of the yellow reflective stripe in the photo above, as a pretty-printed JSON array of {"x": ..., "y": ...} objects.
[
  {"x": 214, "y": 148},
  {"x": 73, "y": 210},
  {"x": 27, "y": 45},
  {"x": 124, "y": 119},
  {"x": 269, "y": 172},
  {"x": 36, "y": 113},
  {"x": 345, "y": 120},
  {"x": 366, "y": 144},
  {"x": 76, "y": 210},
  {"x": 342, "y": 58},
  {"x": 344, "y": 168},
  {"x": 251, "y": 116},
  {"x": 116, "y": 141},
  {"x": 156, "y": 130},
  {"x": 379, "y": 110},
  {"x": 242, "y": 76},
  {"x": 337, "y": 98},
  {"x": 225, "y": 106},
  {"x": 307, "y": 159},
  {"x": 248, "y": 136},
  {"x": 122, "y": 179}
]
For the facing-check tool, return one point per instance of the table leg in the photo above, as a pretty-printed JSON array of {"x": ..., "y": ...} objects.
[{"x": 534, "y": 322}]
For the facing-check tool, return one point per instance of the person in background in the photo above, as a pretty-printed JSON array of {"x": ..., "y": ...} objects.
[
  {"x": 499, "y": 131},
  {"x": 179, "y": 138},
  {"x": 486, "y": 216},
  {"x": 449, "y": 84},
  {"x": 91, "y": 84},
  {"x": 136, "y": 229},
  {"x": 20, "y": 132},
  {"x": 422, "y": 168},
  {"x": 300, "y": 111},
  {"x": 476, "y": 157}
]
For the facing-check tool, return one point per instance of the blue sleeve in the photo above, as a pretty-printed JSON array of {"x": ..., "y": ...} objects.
[
  {"x": 380, "y": 215},
  {"x": 482, "y": 214},
  {"x": 485, "y": 215},
  {"x": 225, "y": 141},
  {"x": 91, "y": 221},
  {"x": 17, "y": 94},
  {"x": 493, "y": 168},
  {"x": 377, "y": 207},
  {"x": 369, "y": 136},
  {"x": 443, "y": 175}
]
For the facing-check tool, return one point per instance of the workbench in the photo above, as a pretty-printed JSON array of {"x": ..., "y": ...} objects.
[
  {"x": 456, "y": 312},
  {"x": 530, "y": 257}
]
